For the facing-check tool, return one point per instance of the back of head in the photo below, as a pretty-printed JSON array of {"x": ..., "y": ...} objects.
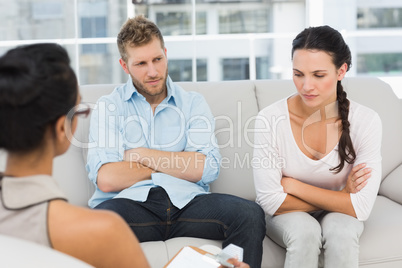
[
  {"x": 327, "y": 39},
  {"x": 37, "y": 86},
  {"x": 137, "y": 31}
]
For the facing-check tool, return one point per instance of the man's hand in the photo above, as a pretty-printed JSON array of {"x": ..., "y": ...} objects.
[
  {"x": 183, "y": 165},
  {"x": 357, "y": 179},
  {"x": 132, "y": 155}
]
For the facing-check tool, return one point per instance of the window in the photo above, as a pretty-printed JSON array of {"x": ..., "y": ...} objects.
[
  {"x": 181, "y": 70},
  {"x": 235, "y": 69},
  {"x": 243, "y": 21},
  {"x": 30, "y": 20},
  {"x": 380, "y": 64},
  {"x": 47, "y": 10},
  {"x": 179, "y": 23},
  {"x": 93, "y": 27},
  {"x": 226, "y": 39},
  {"x": 379, "y": 18},
  {"x": 262, "y": 68}
]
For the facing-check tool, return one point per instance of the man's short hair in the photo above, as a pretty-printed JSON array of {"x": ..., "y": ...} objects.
[{"x": 135, "y": 32}]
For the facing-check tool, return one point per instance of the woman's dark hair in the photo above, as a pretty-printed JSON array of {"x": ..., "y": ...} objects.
[
  {"x": 37, "y": 86},
  {"x": 329, "y": 40}
]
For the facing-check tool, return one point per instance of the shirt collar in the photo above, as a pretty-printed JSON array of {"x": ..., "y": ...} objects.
[{"x": 130, "y": 90}]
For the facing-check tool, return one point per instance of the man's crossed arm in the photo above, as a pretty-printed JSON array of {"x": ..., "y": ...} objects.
[{"x": 140, "y": 163}]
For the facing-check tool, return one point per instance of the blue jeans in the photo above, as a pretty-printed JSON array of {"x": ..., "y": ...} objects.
[
  {"x": 320, "y": 239},
  {"x": 211, "y": 216}
]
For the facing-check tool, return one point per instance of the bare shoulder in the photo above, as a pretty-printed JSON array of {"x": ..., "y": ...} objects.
[
  {"x": 69, "y": 224},
  {"x": 79, "y": 219},
  {"x": 99, "y": 237}
]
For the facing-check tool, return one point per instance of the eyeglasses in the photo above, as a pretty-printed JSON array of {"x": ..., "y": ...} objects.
[{"x": 81, "y": 110}]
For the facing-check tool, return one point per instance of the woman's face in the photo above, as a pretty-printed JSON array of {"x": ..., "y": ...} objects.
[{"x": 315, "y": 77}]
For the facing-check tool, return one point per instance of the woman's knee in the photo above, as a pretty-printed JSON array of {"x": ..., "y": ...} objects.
[
  {"x": 296, "y": 229},
  {"x": 341, "y": 228}
]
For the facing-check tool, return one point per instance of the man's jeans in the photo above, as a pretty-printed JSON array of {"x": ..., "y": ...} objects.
[
  {"x": 320, "y": 239},
  {"x": 211, "y": 216}
]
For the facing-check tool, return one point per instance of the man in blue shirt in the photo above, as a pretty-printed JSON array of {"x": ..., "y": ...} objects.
[{"x": 156, "y": 154}]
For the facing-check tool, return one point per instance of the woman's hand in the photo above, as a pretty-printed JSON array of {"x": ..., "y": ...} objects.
[
  {"x": 288, "y": 184},
  {"x": 237, "y": 263},
  {"x": 357, "y": 179}
]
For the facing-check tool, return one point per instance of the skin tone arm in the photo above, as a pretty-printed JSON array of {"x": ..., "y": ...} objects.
[
  {"x": 140, "y": 163},
  {"x": 294, "y": 204},
  {"x": 184, "y": 165},
  {"x": 127, "y": 173},
  {"x": 305, "y": 197},
  {"x": 100, "y": 238}
]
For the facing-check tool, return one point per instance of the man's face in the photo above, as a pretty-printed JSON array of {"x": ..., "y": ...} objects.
[{"x": 147, "y": 66}]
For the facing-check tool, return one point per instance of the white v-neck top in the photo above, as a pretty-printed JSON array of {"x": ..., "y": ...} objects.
[{"x": 276, "y": 154}]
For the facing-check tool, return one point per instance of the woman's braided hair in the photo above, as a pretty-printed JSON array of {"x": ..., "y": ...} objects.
[{"x": 329, "y": 40}]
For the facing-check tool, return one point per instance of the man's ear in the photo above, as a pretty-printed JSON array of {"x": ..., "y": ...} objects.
[
  {"x": 124, "y": 65},
  {"x": 342, "y": 71}
]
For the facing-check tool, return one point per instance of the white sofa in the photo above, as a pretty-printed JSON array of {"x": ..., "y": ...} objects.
[{"x": 234, "y": 105}]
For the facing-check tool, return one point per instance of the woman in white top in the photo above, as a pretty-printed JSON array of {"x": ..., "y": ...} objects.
[
  {"x": 320, "y": 161},
  {"x": 38, "y": 109}
]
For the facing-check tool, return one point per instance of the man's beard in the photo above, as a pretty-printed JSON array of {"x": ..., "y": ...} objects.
[{"x": 141, "y": 88}]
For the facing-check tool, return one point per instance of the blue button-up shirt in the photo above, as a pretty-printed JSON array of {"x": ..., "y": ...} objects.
[{"x": 182, "y": 122}]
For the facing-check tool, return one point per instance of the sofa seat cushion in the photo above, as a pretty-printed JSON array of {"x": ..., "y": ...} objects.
[
  {"x": 392, "y": 185},
  {"x": 156, "y": 253},
  {"x": 159, "y": 253},
  {"x": 381, "y": 241}
]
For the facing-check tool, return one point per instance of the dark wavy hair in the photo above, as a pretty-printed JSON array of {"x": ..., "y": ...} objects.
[
  {"x": 37, "y": 86},
  {"x": 329, "y": 40}
]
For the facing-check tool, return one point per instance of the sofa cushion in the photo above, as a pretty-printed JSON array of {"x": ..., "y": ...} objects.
[
  {"x": 379, "y": 96},
  {"x": 381, "y": 241},
  {"x": 3, "y": 160},
  {"x": 270, "y": 91},
  {"x": 156, "y": 253},
  {"x": 234, "y": 107},
  {"x": 392, "y": 185}
]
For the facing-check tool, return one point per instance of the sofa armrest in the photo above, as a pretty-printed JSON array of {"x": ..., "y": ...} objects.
[{"x": 392, "y": 184}]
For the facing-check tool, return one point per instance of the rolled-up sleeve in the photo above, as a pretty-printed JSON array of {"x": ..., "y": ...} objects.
[
  {"x": 369, "y": 152},
  {"x": 104, "y": 136},
  {"x": 201, "y": 138}
]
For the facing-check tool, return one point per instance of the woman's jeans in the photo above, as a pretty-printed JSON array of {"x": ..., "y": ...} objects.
[
  {"x": 211, "y": 216},
  {"x": 306, "y": 235}
]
